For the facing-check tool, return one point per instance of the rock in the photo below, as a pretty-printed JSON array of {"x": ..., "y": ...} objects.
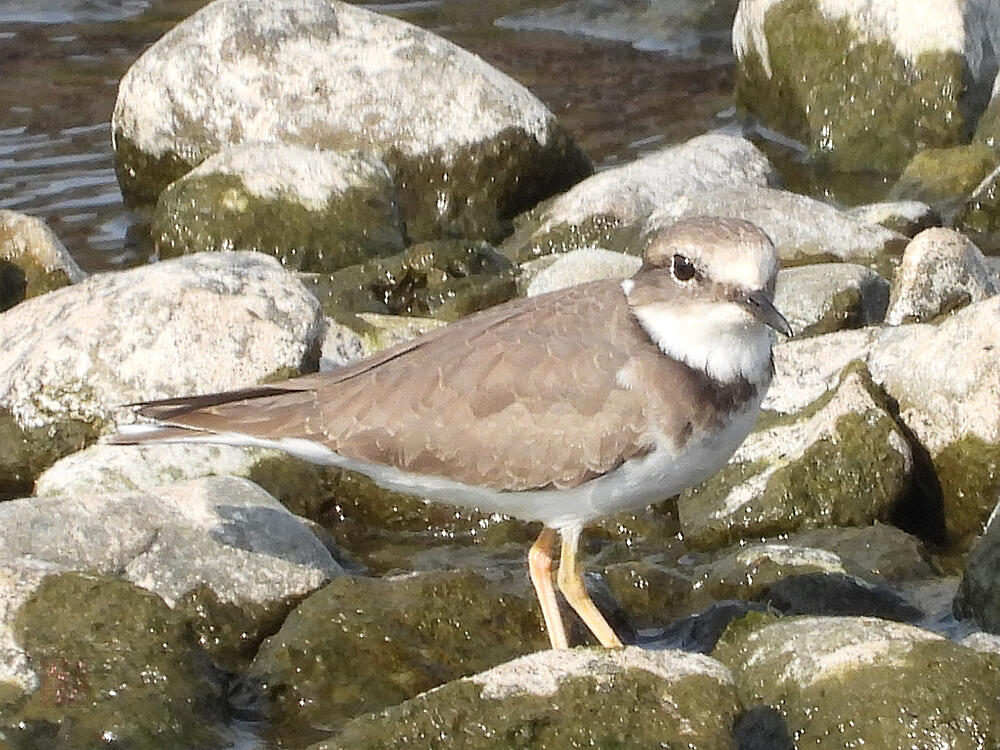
[
  {"x": 945, "y": 177},
  {"x": 581, "y": 266},
  {"x": 700, "y": 632},
  {"x": 860, "y": 681},
  {"x": 877, "y": 553},
  {"x": 313, "y": 210},
  {"x": 978, "y": 596},
  {"x": 829, "y": 297},
  {"x": 557, "y": 699},
  {"x": 468, "y": 146},
  {"x": 18, "y": 581},
  {"x": 446, "y": 279},
  {"x": 203, "y": 323},
  {"x": 979, "y": 216},
  {"x": 609, "y": 210},
  {"x": 909, "y": 218},
  {"x": 676, "y": 27},
  {"x": 841, "y": 462},
  {"x": 941, "y": 272},
  {"x": 838, "y": 594},
  {"x": 341, "y": 346},
  {"x": 864, "y": 86},
  {"x": 32, "y": 259},
  {"x": 116, "y": 666},
  {"x": 804, "y": 230},
  {"x": 220, "y": 548},
  {"x": 362, "y": 644},
  {"x": 379, "y": 332}
]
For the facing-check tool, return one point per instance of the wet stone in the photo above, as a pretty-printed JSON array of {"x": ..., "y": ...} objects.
[
  {"x": 841, "y": 462},
  {"x": 909, "y": 218},
  {"x": 978, "y": 596},
  {"x": 826, "y": 297},
  {"x": 362, "y": 644},
  {"x": 945, "y": 177},
  {"x": 445, "y": 280},
  {"x": 313, "y": 210},
  {"x": 115, "y": 662},
  {"x": 33, "y": 261},
  {"x": 561, "y": 699},
  {"x": 838, "y": 594},
  {"x": 860, "y": 681}
]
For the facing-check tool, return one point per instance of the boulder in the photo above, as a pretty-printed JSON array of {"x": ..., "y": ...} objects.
[
  {"x": 469, "y": 147},
  {"x": 978, "y": 596},
  {"x": 827, "y": 297},
  {"x": 204, "y": 323},
  {"x": 578, "y": 267},
  {"x": 32, "y": 259}
]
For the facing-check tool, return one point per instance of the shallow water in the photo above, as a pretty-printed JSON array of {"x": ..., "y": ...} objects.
[{"x": 60, "y": 62}]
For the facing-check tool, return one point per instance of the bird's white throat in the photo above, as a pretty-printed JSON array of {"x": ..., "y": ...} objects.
[{"x": 718, "y": 338}]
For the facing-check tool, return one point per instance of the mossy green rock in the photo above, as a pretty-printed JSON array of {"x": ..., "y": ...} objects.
[
  {"x": 862, "y": 682},
  {"x": 969, "y": 473},
  {"x": 444, "y": 280},
  {"x": 843, "y": 461},
  {"x": 945, "y": 177},
  {"x": 564, "y": 699},
  {"x": 32, "y": 259},
  {"x": 856, "y": 102},
  {"x": 26, "y": 451},
  {"x": 116, "y": 662},
  {"x": 978, "y": 597},
  {"x": 313, "y": 210},
  {"x": 361, "y": 644},
  {"x": 979, "y": 216}
]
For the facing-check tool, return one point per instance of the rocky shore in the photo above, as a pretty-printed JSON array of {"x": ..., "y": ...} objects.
[{"x": 325, "y": 181}]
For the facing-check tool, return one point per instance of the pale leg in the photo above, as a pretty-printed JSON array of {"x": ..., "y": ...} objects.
[
  {"x": 571, "y": 584},
  {"x": 540, "y": 570}
]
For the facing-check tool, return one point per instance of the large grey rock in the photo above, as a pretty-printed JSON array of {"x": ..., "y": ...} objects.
[
  {"x": 469, "y": 147},
  {"x": 864, "y": 682},
  {"x": 866, "y": 84},
  {"x": 804, "y": 230},
  {"x": 32, "y": 259},
  {"x": 313, "y": 210},
  {"x": 941, "y": 271},
  {"x": 581, "y": 698},
  {"x": 829, "y": 297},
  {"x": 978, "y": 596},
  {"x": 609, "y": 210},
  {"x": 909, "y": 218},
  {"x": 71, "y": 358},
  {"x": 579, "y": 267},
  {"x": 841, "y": 462}
]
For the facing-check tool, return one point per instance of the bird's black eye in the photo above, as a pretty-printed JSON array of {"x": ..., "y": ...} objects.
[{"x": 682, "y": 268}]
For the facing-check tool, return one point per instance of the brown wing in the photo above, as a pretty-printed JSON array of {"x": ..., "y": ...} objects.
[{"x": 521, "y": 396}]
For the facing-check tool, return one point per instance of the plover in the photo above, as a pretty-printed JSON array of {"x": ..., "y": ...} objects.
[{"x": 560, "y": 408}]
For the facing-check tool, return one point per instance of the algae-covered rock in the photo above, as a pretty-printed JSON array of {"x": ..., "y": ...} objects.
[
  {"x": 979, "y": 215},
  {"x": 32, "y": 259},
  {"x": 879, "y": 552},
  {"x": 838, "y": 594},
  {"x": 222, "y": 534},
  {"x": 863, "y": 682},
  {"x": 863, "y": 89},
  {"x": 941, "y": 272},
  {"x": 946, "y": 177},
  {"x": 909, "y": 218},
  {"x": 827, "y": 297},
  {"x": 445, "y": 279},
  {"x": 978, "y": 596},
  {"x": 803, "y": 229},
  {"x": 209, "y": 322},
  {"x": 313, "y": 210},
  {"x": 608, "y": 210},
  {"x": 469, "y": 147},
  {"x": 116, "y": 666},
  {"x": 577, "y": 267},
  {"x": 560, "y": 699},
  {"x": 843, "y": 462},
  {"x": 361, "y": 644}
]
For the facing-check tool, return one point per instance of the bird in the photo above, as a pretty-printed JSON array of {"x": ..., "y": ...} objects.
[{"x": 561, "y": 408}]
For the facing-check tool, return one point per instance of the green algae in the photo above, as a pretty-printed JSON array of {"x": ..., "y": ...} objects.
[
  {"x": 361, "y": 644},
  {"x": 529, "y": 241},
  {"x": 22, "y": 278},
  {"x": 25, "y": 452},
  {"x": 475, "y": 192},
  {"x": 652, "y": 594},
  {"x": 217, "y": 211},
  {"x": 931, "y": 693},
  {"x": 857, "y": 104},
  {"x": 135, "y": 671},
  {"x": 444, "y": 280},
  {"x": 143, "y": 176},
  {"x": 969, "y": 474},
  {"x": 945, "y": 178},
  {"x": 626, "y": 710}
]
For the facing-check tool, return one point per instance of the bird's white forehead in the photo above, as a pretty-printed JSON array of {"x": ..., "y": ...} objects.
[{"x": 755, "y": 268}]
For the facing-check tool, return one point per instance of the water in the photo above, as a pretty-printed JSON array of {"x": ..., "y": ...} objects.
[{"x": 60, "y": 62}]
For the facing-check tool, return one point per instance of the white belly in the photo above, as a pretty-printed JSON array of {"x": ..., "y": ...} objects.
[{"x": 638, "y": 482}]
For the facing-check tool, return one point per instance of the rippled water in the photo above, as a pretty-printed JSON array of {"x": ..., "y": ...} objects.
[{"x": 60, "y": 62}]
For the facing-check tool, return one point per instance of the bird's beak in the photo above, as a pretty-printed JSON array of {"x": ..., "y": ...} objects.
[{"x": 758, "y": 305}]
